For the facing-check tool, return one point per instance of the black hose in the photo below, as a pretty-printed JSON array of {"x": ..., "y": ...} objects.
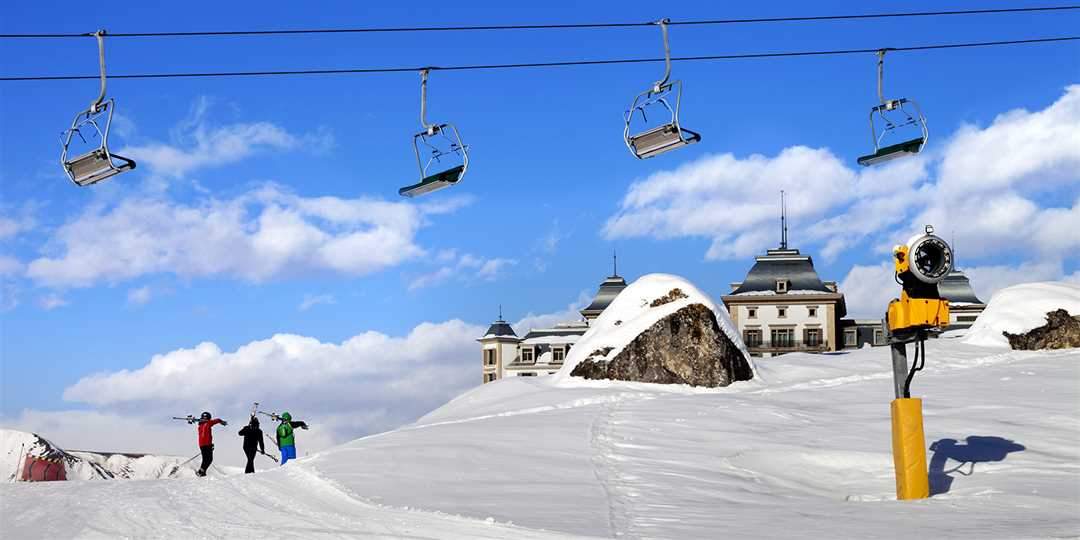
[{"x": 920, "y": 347}]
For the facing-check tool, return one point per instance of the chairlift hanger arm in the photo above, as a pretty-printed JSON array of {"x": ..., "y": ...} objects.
[
  {"x": 100, "y": 34},
  {"x": 659, "y": 85}
]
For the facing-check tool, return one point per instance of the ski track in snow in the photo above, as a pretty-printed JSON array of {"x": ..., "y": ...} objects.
[{"x": 802, "y": 451}]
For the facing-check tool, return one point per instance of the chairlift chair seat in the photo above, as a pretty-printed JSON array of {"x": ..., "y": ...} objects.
[
  {"x": 434, "y": 182},
  {"x": 661, "y": 139},
  {"x": 95, "y": 166},
  {"x": 894, "y": 151}
]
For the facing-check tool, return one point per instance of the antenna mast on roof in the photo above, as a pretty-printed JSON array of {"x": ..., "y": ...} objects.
[
  {"x": 614, "y": 263},
  {"x": 783, "y": 221},
  {"x": 500, "y": 312}
]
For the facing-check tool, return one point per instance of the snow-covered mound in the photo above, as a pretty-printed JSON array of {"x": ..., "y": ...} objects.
[
  {"x": 15, "y": 445},
  {"x": 632, "y": 313},
  {"x": 804, "y": 450},
  {"x": 1020, "y": 308}
]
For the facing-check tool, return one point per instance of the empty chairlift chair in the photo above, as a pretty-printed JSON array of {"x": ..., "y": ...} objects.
[
  {"x": 896, "y": 118},
  {"x": 666, "y": 137},
  {"x": 97, "y": 164},
  {"x": 436, "y": 143}
]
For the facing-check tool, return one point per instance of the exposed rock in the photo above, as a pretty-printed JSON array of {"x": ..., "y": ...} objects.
[
  {"x": 671, "y": 296},
  {"x": 1061, "y": 331},
  {"x": 685, "y": 347}
]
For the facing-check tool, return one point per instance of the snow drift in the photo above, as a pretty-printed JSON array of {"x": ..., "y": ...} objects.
[
  {"x": 633, "y": 312},
  {"x": 90, "y": 465},
  {"x": 1019, "y": 308}
]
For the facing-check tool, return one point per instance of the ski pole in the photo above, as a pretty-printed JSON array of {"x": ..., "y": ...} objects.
[{"x": 189, "y": 459}]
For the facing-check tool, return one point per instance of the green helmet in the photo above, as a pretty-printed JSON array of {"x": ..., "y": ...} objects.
[{"x": 286, "y": 416}]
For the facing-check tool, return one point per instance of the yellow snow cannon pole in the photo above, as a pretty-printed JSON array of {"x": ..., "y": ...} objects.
[
  {"x": 909, "y": 449},
  {"x": 920, "y": 311}
]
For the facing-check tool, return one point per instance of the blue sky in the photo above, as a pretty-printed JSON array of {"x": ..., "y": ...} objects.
[{"x": 268, "y": 206}]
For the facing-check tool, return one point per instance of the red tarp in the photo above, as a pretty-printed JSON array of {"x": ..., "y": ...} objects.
[{"x": 39, "y": 469}]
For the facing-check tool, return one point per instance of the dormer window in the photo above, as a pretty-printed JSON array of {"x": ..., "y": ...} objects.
[
  {"x": 751, "y": 312},
  {"x": 782, "y": 285},
  {"x": 527, "y": 355}
]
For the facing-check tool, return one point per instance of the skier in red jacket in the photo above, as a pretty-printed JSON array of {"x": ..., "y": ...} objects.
[{"x": 206, "y": 441}]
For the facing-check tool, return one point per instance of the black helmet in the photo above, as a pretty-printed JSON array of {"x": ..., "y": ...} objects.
[
  {"x": 205, "y": 415},
  {"x": 254, "y": 421}
]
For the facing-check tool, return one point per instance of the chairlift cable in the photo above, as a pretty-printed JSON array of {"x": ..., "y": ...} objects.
[
  {"x": 813, "y": 18},
  {"x": 568, "y": 63}
]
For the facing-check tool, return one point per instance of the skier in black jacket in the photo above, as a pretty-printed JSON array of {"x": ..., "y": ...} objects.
[{"x": 253, "y": 439}]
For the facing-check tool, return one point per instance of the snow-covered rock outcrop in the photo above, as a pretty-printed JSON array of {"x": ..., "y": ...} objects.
[
  {"x": 661, "y": 329},
  {"x": 1020, "y": 308},
  {"x": 15, "y": 445}
]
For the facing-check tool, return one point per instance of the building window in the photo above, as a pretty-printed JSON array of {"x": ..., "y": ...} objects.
[
  {"x": 527, "y": 355},
  {"x": 557, "y": 355},
  {"x": 812, "y": 337},
  {"x": 752, "y": 338},
  {"x": 782, "y": 285},
  {"x": 526, "y": 374},
  {"x": 812, "y": 311},
  {"x": 965, "y": 318},
  {"x": 782, "y": 337},
  {"x": 851, "y": 338},
  {"x": 879, "y": 337},
  {"x": 781, "y": 312},
  {"x": 488, "y": 377},
  {"x": 489, "y": 357},
  {"x": 751, "y": 312}
]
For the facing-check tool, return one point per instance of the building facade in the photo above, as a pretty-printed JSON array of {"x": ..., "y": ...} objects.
[
  {"x": 542, "y": 350},
  {"x": 783, "y": 306}
]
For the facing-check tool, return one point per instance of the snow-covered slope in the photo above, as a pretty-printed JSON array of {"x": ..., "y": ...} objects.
[
  {"x": 91, "y": 465},
  {"x": 803, "y": 450},
  {"x": 1020, "y": 308},
  {"x": 631, "y": 313}
]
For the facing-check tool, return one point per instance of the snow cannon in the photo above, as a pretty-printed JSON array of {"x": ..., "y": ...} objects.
[
  {"x": 920, "y": 265},
  {"x": 919, "y": 312}
]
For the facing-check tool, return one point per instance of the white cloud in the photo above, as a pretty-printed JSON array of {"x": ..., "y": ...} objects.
[
  {"x": 51, "y": 301},
  {"x": 367, "y": 383},
  {"x": 571, "y": 313},
  {"x": 312, "y": 300},
  {"x": 197, "y": 144},
  {"x": 10, "y": 266},
  {"x": 139, "y": 296},
  {"x": 466, "y": 266},
  {"x": 868, "y": 290},
  {"x": 986, "y": 280},
  {"x": 1008, "y": 189},
  {"x": 261, "y": 235},
  {"x": 736, "y": 202}
]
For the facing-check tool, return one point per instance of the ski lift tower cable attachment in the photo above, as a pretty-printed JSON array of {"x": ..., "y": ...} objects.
[
  {"x": 666, "y": 137},
  {"x": 99, "y": 163}
]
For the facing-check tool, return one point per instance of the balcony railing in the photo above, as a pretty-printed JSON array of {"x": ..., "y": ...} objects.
[{"x": 786, "y": 345}]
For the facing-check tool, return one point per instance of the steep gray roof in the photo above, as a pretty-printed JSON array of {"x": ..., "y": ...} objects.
[
  {"x": 782, "y": 264},
  {"x": 956, "y": 287},
  {"x": 560, "y": 332},
  {"x": 500, "y": 328},
  {"x": 609, "y": 289}
]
